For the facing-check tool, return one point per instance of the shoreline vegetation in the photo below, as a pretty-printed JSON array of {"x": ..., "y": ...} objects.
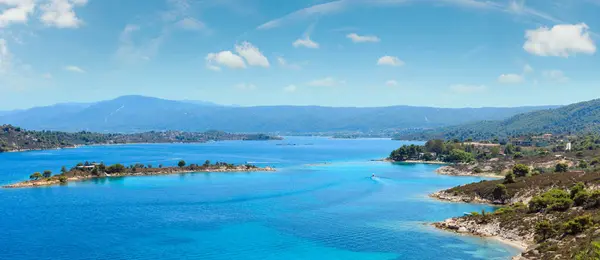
[
  {"x": 548, "y": 198},
  {"x": 87, "y": 171},
  {"x": 16, "y": 139}
]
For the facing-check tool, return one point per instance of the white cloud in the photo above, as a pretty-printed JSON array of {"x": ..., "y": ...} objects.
[
  {"x": 510, "y": 79},
  {"x": 191, "y": 24},
  {"x": 5, "y": 61},
  {"x": 60, "y": 13},
  {"x": 306, "y": 42},
  {"x": 224, "y": 58},
  {"x": 527, "y": 69},
  {"x": 561, "y": 40},
  {"x": 18, "y": 11},
  {"x": 467, "y": 89},
  {"x": 556, "y": 76},
  {"x": 252, "y": 55},
  {"x": 325, "y": 82},
  {"x": 47, "y": 76},
  {"x": 244, "y": 86},
  {"x": 364, "y": 38},
  {"x": 391, "y": 83},
  {"x": 73, "y": 68},
  {"x": 390, "y": 61},
  {"x": 290, "y": 88}
]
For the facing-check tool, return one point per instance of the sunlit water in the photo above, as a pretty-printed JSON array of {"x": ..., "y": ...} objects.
[{"x": 321, "y": 204}]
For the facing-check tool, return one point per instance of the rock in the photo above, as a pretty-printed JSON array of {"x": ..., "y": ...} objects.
[
  {"x": 462, "y": 230},
  {"x": 581, "y": 236}
]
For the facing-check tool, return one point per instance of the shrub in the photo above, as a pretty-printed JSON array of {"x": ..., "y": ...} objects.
[
  {"x": 477, "y": 170},
  {"x": 520, "y": 170},
  {"x": 115, "y": 168},
  {"x": 552, "y": 200},
  {"x": 578, "y": 187},
  {"x": 583, "y": 164},
  {"x": 543, "y": 230},
  {"x": 577, "y": 224},
  {"x": 62, "y": 179},
  {"x": 561, "y": 167},
  {"x": 518, "y": 155},
  {"x": 47, "y": 174},
  {"x": 509, "y": 178},
  {"x": 579, "y": 154},
  {"x": 593, "y": 200},
  {"x": 500, "y": 192},
  {"x": 581, "y": 198}
]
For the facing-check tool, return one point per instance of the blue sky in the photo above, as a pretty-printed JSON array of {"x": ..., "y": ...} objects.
[{"x": 446, "y": 53}]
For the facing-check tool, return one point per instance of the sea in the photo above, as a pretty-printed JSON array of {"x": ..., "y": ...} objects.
[{"x": 321, "y": 203}]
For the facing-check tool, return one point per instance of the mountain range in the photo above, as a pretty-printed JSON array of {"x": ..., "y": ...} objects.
[
  {"x": 140, "y": 114},
  {"x": 582, "y": 117}
]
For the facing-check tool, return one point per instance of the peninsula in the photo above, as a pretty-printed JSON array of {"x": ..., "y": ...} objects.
[
  {"x": 14, "y": 138},
  {"x": 549, "y": 192},
  {"x": 87, "y": 170}
]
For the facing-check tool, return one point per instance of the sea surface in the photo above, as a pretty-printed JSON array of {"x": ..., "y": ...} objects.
[{"x": 321, "y": 203}]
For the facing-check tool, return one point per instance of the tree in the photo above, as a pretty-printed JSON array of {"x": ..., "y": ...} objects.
[
  {"x": 561, "y": 167},
  {"x": 206, "y": 163},
  {"x": 35, "y": 176},
  {"x": 544, "y": 230},
  {"x": 500, "y": 192},
  {"x": 63, "y": 170},
  {"x": 509, "y": 178},
  {"x": 62, "y": 179},
  {"x": 435, "y": 146},
  {"x": 181, "y": 163},
  {"x": 520, "y": 170},
  {"x": 509, "y": 149},
  {"x": 47, "y": 174},
  {"x": 115, "y": 168},
  {"x": 459, "y": 156}
]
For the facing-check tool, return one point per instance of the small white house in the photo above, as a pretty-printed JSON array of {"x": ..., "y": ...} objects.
[{"x": 568, "y": 146}]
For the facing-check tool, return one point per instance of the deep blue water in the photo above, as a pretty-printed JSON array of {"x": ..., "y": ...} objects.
[{"x": 320, "y": 204}]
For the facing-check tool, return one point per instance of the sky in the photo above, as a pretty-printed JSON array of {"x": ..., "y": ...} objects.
[{"x": 364, "y": 53}]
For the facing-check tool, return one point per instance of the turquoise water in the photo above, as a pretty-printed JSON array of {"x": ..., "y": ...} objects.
[{"x": 320, "y": 204}]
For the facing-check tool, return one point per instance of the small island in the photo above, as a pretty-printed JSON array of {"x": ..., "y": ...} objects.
[{"x": 87, "y": 170}]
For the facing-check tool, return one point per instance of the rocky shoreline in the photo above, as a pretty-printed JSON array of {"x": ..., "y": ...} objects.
[
  {"x": 450, "y": 197},
  {"x": 165, "y": 171},
  {"x": 452, "y": 170},
  {"x": 492, "y": 229}
]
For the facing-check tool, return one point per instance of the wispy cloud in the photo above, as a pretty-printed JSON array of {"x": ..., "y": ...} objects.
[
  {"x": 338, "y": 6},
  {"x": 325, "y": 82},
  {"x": 391, "y": 83},
  {"x": 246, "y": 53},
  {"x": 362, "y": 38},
  {"x": 390, "y": 61},
  {"x": 556, "y": 76},
  {"x": 73, "y": 68},
  {"x": 290, "y": 88},
  {"x": 129, "y": 51}
]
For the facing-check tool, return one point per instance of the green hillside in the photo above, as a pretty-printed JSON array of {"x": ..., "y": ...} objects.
[{"x": 576, "y": 118}]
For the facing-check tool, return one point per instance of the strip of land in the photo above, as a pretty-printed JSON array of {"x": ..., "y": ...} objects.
[
  {"x": 86, "y": 171},
  {"x": 16, "y": 139}
]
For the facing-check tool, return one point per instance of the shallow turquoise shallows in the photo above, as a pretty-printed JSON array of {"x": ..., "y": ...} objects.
[{"x": 320, "y": 204}]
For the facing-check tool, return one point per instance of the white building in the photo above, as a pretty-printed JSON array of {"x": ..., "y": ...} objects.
[{"x": 568, "y": 146}]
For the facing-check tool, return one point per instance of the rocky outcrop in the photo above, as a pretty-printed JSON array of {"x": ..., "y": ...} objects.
[
  {"x": 491, "y": 229},
  {"x": 451, "y": 197}
]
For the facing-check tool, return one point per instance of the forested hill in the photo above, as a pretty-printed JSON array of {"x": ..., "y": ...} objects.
[
  {"x": 583, "y": 117},
  {"x": 140, "y": 114},
  {"x": 17, "y": 139}
]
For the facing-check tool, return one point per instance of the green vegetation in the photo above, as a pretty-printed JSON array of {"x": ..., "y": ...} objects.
[
  {"x": 552, "y": 200},
  {"x": 181, "y": 163},
  {"x": 435, "y": 150},
  {"x": 579, "y": 118},
  {"x": 15, "y": 139}
]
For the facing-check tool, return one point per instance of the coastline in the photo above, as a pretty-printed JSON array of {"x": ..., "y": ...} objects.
[{"x": 167, "y": 171}]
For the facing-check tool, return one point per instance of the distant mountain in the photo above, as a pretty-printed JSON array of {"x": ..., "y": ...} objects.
[
  {"x": 583, "y": 117},
  {"x": 139, "y": 114}
]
